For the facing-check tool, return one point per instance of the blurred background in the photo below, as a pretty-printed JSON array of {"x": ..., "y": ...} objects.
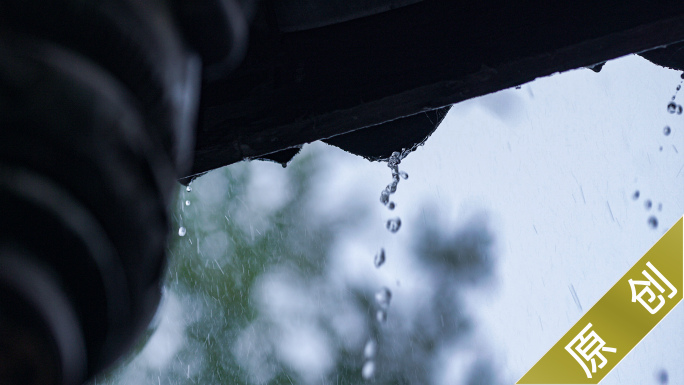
[{"x": 517, "y": 215}]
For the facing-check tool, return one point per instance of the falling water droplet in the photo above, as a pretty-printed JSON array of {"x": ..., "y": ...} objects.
[
  {"x": 370, "y": 348},
  {"x": 368, "y": 370},
  {"x": 404, "y": 175},
  {"x": 648, "y": 204},
  {"x": 381, "y": 316},
  {"x": 667, "y": 130},
  {"x": 636, "y": 195},
  {"x": 182, "y": 231},
  {"x": 383, "y": 297},
  {"x": 384, "y": 196},
  {"x": 653, "y": 222},
  {"x": 679, "y": 109},
  {"x": 188, "y": 189},
  {"x": 395, "y": 174},
  {"x": 672, "y": 107},
  {"x": 393, "y": 225},
  {"x": 660, "y": 207},
  {"x": 662, "y": 377},
  {"x": 187, "y": 203},
  {"x": 392, "y": 187},
  {"x": 661, "y": 148},
  {"x": 391, "y": 205},
  {"x": 379, "y": 258},
  {"x": 679, "y": 87}
]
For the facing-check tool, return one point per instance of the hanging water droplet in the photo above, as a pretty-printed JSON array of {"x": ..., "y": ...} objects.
[
  {"x": 188, "y": 189},
  {"x": 381, "y": 316},
  {"x": 391, "y": 206},
  {"x": 393, "y": 225},
  {"x": 394, "y": 160},
  {"x": 648, "y": 204},
  {"x": 187, "y": 203},
  {"x": 182, "y": 231},
  {"x": 653, "y": 222},
  {"x": 379, "y": 258},
  {"x": 636, "y": 195},
  {"x": 369, "y": 349},
  {"x": 667, "y": 130},
  {"x": 404, "y": 175},
  {"x": 383, "y": 297},
  {"x": 368, "y": 370},
  {"x": 672, "y": 107},
  {"x": 384, "y": 196}
]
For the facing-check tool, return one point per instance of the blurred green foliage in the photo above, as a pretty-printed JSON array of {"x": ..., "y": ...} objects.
[{"x": 242, "y": 245}]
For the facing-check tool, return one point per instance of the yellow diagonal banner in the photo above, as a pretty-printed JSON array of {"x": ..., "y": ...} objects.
[{"x": 619, "y": 320}]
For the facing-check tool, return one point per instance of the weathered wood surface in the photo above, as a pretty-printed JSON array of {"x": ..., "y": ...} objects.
[{"x": 295, "y": 88}]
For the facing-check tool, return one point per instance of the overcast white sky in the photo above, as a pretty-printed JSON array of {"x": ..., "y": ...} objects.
[
  {"x": 547, "y": 161},
  {"x": 555, "y": 165}
]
